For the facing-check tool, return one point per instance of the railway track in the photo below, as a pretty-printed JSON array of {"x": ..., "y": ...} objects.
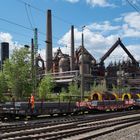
[
  {"x": 11, "y": 125},
  {"x": 68, "y": 127}
]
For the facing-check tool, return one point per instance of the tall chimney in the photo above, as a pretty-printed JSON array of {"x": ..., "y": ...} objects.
[
  {"x": 49, "y": 42},
  {"x": 72, "y": 49},
  {"x": 4, "y": 52}
]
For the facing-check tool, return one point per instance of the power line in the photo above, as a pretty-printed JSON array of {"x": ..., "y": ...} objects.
[
  {"x": 28, "y": 28},
  {"x": 44, "y": 34},
  {"x": 63, "y": 20},
  {"x": 31, "y": 14},
  {"x": 22, "y": 26},
  {"x": 16, "y": 24},
  {"x": 133, "y": 6},
  {"x": 25, "y": 35},
  {"x": 43, "y": 11},
  {"x": 23, "y": 2},
  {"x": 11, "y": 22},
  {"x": 28, "y": 16}
]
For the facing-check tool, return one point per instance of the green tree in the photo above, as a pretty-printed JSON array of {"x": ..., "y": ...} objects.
[
  {"x": 17, "y": 71},
  {"x": 45, "y": 87},
  {"x": 73, "y": 89},
  {"x": 101, "y": 88},
  {"x": 63, "y": 95},
  {"x": 3, "y": 86}
]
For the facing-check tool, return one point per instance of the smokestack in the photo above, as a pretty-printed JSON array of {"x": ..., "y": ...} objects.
[
  {"x": 49, "y": 42},
  {"x": 4, "y": 52},
  {"x": 72, "y": 49}
]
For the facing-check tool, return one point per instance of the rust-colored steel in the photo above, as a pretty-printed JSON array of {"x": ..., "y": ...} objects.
[{"x": 49, "y": 42}]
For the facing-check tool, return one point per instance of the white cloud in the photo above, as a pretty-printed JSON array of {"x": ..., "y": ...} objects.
[
  {"x": 119, "y": 54},
  {"x": 135, "y": 2},
  {"x": 132, "y": 19},
  {"x": 7, "y": 37},
  {"x": 131, "y": 33},
  {"x": 105, "y": 26},
  {"x": 98, "y": 43},
  {"x": 93, "y": 3},
  {"x": 118, "y": 19},
  {"x": 72, "y": 1},
  {"x": 42, "y": 52},
  {"x": 101, "y": 3},
  {"x": 130, "y": 25},
  {"x": 134, "y": 49},
  {"x": 95, "y": 43}
]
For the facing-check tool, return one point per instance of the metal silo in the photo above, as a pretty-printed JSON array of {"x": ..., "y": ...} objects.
[{"x": 4, "y": 52}]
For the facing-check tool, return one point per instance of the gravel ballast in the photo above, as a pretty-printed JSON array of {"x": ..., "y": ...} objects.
[{"x": 130, "y": 133}]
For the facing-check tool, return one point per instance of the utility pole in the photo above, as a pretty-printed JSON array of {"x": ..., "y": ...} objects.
[
  {"x": 32, "y": 62},
  {"x": 82, "y": 66},
  {"x": 35, "y": 56}
]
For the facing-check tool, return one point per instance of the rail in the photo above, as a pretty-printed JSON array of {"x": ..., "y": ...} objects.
[{"x": 71, "y": 127}]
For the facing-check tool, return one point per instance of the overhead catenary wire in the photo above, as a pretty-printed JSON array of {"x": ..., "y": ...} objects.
[
  {"x": 133, "y": 6},
  {"x": 31, "y": 14},
  {"x": 57, "y": 17},
  {"x": 30, "y": 28},
  {"x": 28, "y": 16},
  {"x": 22, "y": 26},
  {"x": 16, "y": 24},
  {"x": 23, "y": 2},
  {"x": 17, "y": 33},
  {"x": 21, "y": 34},
  {"x": 44, "y": 12}
]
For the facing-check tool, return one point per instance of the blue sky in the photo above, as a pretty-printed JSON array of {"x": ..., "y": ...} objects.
[{"x": 105, "y": 21}]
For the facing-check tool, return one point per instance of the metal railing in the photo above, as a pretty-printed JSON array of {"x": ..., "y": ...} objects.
[{"x": 66, "y": 74}]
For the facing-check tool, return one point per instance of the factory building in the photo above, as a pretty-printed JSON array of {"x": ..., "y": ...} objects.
[
  {"x": 80, "y": 66},
  {"x": 81, "y": 63}
]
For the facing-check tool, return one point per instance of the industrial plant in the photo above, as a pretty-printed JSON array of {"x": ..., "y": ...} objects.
[{"x": 80, "y": 66}]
